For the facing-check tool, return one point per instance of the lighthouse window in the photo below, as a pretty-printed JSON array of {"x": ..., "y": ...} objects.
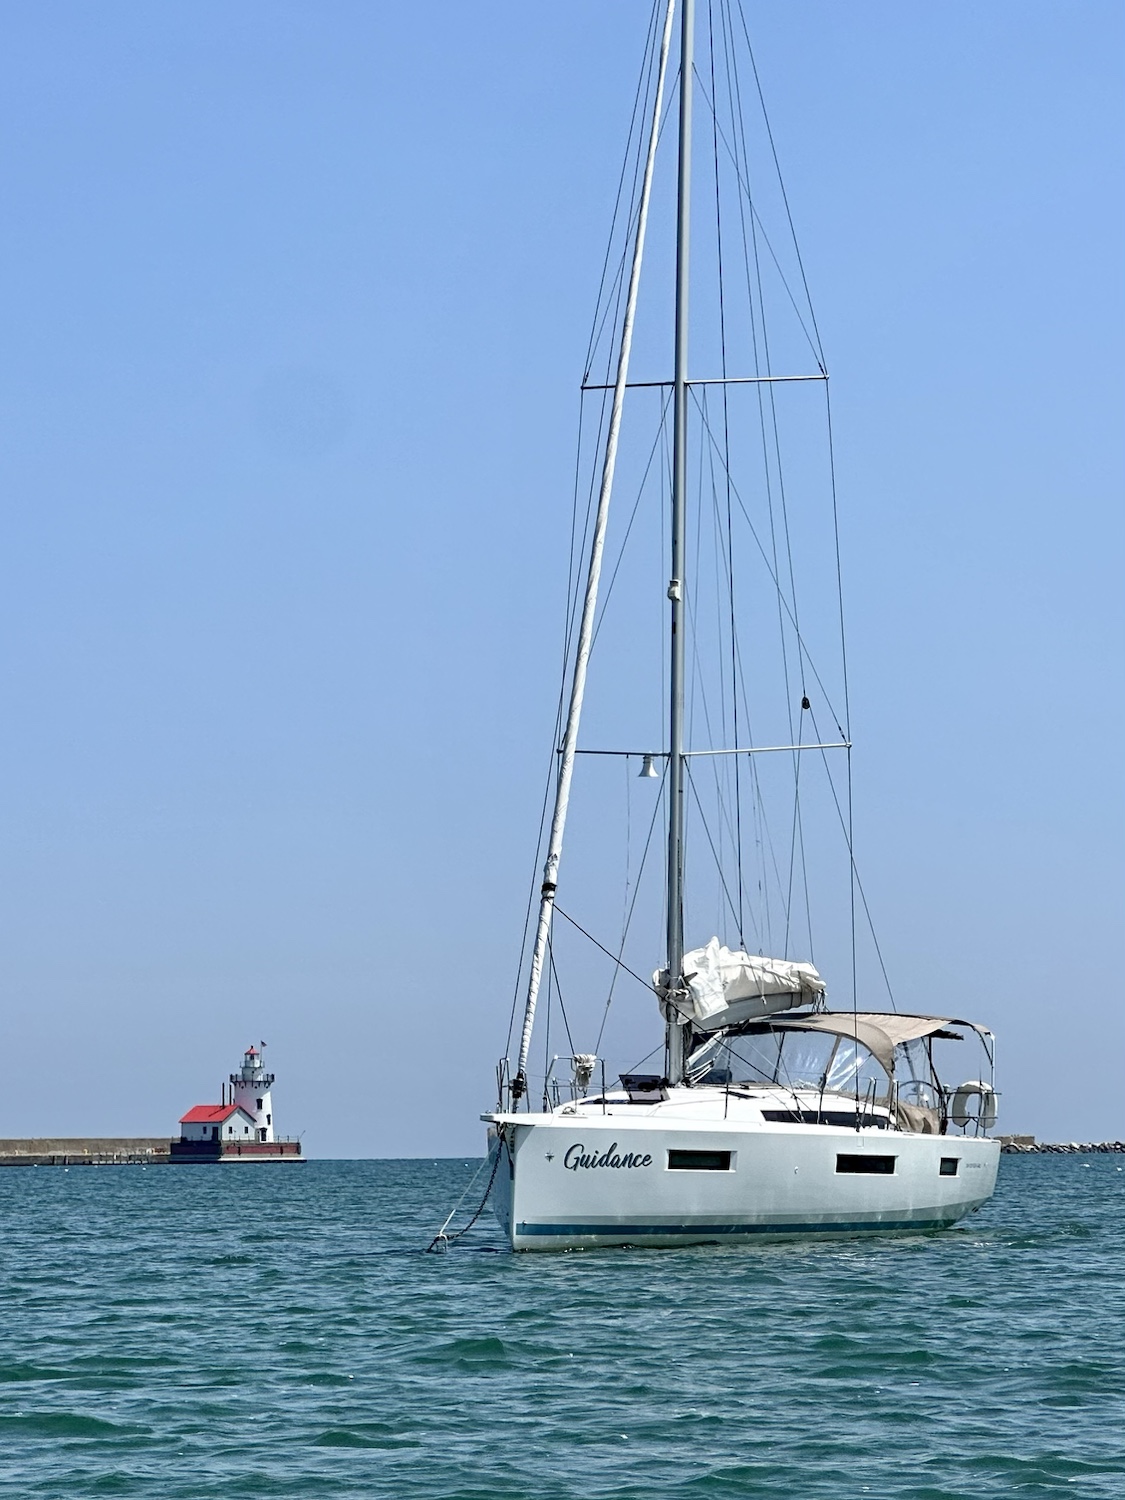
[{"x": 257, "y": 1103}]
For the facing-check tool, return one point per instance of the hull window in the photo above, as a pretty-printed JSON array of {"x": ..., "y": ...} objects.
[
  {"x": 882, "y": 1166},
  {"x": 699, "y": 1161},
  {"x": 949, "y": 1166}
]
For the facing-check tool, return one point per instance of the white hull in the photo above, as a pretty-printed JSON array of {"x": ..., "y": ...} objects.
[{"x": 782, "y": 1181}]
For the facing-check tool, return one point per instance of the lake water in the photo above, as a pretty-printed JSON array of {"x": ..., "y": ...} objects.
[{"x": 276, "y": 1332}]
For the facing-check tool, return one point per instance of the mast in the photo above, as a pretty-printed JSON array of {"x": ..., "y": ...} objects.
[
  {"x": 569, "y": 747},
  {"x": 676, "y": 763}
]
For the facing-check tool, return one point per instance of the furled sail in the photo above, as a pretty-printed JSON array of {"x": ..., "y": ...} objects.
[{"x": 724, "y": 987}]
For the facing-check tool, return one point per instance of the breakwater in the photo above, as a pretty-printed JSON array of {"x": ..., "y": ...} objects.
[
  {"x": 85, "y": 1151},
  {"x": 1028, "y": 1144}
]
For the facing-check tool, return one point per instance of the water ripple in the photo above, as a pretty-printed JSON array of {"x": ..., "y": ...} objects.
[{"x": 158, "y": 1341}]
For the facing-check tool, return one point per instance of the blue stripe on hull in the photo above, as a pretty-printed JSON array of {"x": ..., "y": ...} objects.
[{"x": 629, "y": 1231}]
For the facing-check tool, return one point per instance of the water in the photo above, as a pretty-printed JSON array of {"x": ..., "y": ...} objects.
[{"x": 275, "y": 1331}]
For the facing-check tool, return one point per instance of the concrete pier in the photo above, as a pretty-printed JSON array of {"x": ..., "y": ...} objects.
[{"x": 86, "y": 1151}]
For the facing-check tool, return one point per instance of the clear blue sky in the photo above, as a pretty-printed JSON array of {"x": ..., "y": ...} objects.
[{"x": 294, "y": 306}]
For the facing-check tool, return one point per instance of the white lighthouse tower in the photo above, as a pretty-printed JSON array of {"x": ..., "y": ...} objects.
[
  {"x": 240, "y": 1127},
  {"x": 251, "y": 1091}
]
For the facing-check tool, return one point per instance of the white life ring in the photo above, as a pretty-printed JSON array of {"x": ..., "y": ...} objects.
[{"x": 962, "y": 1111}]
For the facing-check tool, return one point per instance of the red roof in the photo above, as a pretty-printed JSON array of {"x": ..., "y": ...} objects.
[{"x": 208, "y": 1114}]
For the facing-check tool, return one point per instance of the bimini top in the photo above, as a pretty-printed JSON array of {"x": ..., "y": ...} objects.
[{"x": 880, "y": 1032}]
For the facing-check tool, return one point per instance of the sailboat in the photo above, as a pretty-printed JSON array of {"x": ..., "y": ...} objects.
[{"x": 773, "y": 1115}]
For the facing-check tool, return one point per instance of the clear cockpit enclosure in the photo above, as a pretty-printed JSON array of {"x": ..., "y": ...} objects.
[{"x": 930, "y": 1074}]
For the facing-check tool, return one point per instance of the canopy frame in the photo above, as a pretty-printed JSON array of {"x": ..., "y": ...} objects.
[{"x": 880, "y": 1032}]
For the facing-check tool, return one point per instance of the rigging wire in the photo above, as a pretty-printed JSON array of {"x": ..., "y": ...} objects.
[
  {"x": 855, "y": 872},
  {"x": 847, "y": 821},
  {"x": 547, "y": 1022},
  {"x": 762, "y": 362},
  {"x": 658, "y": 805},
  {"x": 632, "y": 151},
  {"x": 699, "y": 689},
  {"x": 804, "y": 656},
  {"x": 847, "y": 720},
  {"x": 658, "y": 1048},
  {"x": 778, "y": 557},
  {"x": 768, "y": 395},
  {"x": 757, "y": 319},
  {"x": 775, "y": 581},
  {"x": 797, "y": 833},
  {"x": 607, "y": 593},
  {"x": 632, "y": 973},
  {"x": 761, "y": 229},
  {"x": 552, "y": 764},
  {"x": 765, "y": 840},
  {"x": 726, "y": 453},
  {"x": 711, "y": 842},
  {"x": 558, "y": 992},
  {"x": 618, "y": 284},
  {"x": 780, "y": 181},
  {"x": 626, "y": 762},
  {"x": 759, "y": 800},
  {"x": 635, "y": 153},
  {"x": 721, "y": 801},
  {"x": 640, "y": 98},
  {"x": 839, "y": 567},
  {"x": 720, "y": 767}
]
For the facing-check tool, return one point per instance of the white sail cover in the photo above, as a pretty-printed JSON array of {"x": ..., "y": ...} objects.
[{"x": 725, "y": 988}]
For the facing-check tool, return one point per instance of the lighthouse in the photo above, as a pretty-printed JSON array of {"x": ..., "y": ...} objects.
[
  {"x": 251, "y": 1092},
  {"x": 240, "y": 1127}
]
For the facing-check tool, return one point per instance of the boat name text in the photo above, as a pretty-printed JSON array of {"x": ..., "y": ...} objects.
[{"x": 576, "y": 1157}]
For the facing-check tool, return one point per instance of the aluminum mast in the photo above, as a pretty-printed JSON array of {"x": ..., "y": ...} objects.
[
  {"x": 676, "y": 761},
  {"x": 569, "y": 746}
]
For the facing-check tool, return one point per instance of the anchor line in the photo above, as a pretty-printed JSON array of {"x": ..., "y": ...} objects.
[{"x": 443, "y": 1240}]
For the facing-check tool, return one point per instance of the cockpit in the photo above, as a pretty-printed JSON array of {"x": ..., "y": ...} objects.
[{"x": 895, "y": 1070}]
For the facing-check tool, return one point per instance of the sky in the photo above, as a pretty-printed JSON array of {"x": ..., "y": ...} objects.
[{"x": 295, "y": 305}]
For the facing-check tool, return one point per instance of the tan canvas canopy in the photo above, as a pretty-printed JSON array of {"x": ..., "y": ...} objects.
[{"x": 880, "y": 1033}]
